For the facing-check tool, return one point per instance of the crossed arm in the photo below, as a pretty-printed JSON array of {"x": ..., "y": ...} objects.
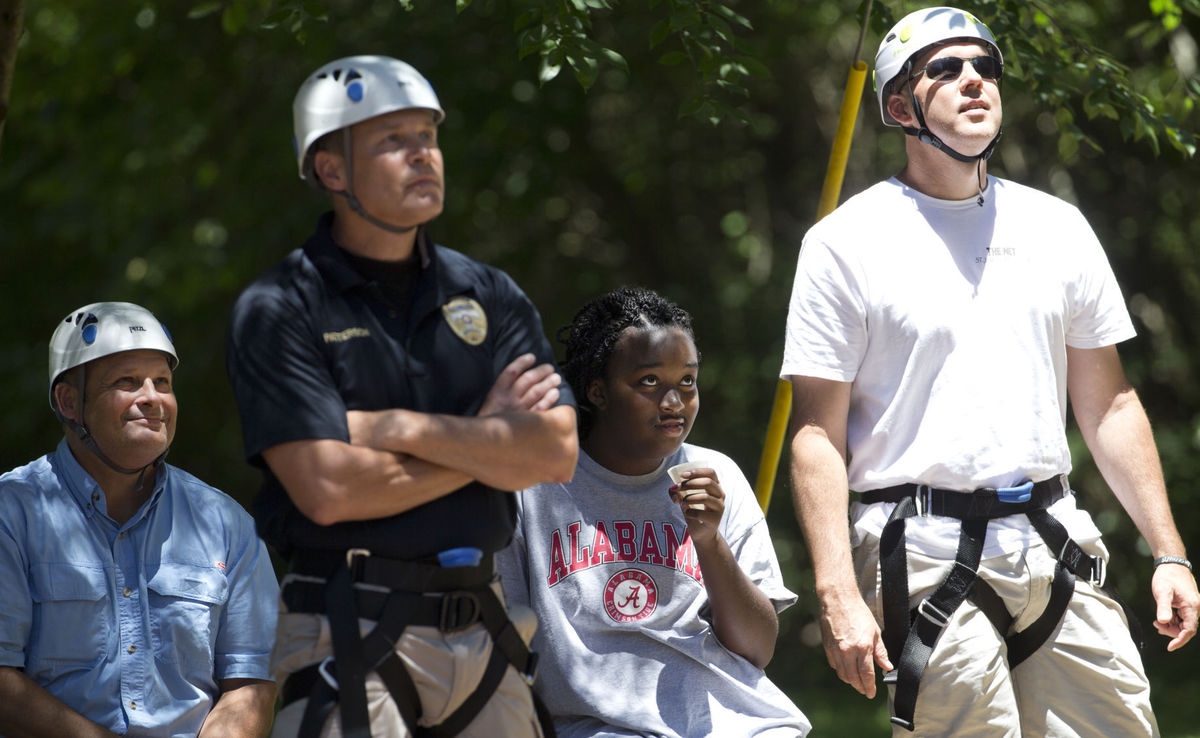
[{"x": 400, "y": 459}]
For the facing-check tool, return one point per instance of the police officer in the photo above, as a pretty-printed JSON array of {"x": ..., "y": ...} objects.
[{"x": 393, "y": 392}]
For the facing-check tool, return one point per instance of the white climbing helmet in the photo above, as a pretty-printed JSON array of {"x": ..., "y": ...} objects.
[
  {"x": 101, "y": 329},
  {"x": 350, "y": 90},
  {"x": 915, "y": 33}
]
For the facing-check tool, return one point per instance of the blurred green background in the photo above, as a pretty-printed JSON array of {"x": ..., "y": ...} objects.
[{"x": 147, "y": 157}]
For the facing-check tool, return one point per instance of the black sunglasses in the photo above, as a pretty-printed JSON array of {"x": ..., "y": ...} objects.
[{"x": 947, "y": 68}]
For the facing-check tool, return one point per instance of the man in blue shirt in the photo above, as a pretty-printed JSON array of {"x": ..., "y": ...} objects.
[{"x": 137, "y": 599}]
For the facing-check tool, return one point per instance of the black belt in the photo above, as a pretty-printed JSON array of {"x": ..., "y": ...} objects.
[
  {"x": 981, "y": 504},
  {"x": 447, "y": 611},
  {"x": 422, "y": 575}
]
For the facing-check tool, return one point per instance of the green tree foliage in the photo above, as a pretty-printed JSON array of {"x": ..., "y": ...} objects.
[{"x": 147, "y": 157}]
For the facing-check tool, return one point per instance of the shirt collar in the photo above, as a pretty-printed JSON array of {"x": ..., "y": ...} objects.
[
  {"x": 341, "y": 276},
  {"x": 87, "y": 492},
  {"x": 330, "y": 259}
]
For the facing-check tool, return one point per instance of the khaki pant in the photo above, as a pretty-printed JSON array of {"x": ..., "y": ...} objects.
[
  {"x": 1086, "y": 680},
  {"x": 445, "y": 667}
]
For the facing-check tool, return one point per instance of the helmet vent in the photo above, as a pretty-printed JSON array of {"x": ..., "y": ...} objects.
[
  {"x": 88, "y": 329},
  {"x": 352, "y": 75},
  {"x": 337, "y": 74}
]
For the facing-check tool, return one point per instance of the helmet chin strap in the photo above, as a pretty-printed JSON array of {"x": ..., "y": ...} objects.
[
  {"x": 85, "y": 436},
  {"x": 352, "y": 200},
  {"x": 926, "y": 136}
]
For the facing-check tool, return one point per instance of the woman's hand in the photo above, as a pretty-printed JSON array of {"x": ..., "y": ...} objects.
[{"x": 702, "y": 500}]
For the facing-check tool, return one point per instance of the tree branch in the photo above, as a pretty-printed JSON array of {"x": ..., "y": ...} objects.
[{"x": 12, "y": 13}]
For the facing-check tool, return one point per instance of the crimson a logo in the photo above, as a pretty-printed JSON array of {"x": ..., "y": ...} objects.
[{"x": 630, "y": 595}]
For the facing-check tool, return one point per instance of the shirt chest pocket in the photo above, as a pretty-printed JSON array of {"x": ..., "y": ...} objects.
[
  {"x": 73, "y": 599},
  {"x": 185, "y": 605}
]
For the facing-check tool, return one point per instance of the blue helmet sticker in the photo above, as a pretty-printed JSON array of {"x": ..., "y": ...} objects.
[
  {"x": 89, "y": 333},
  {"x": 355, "y": 91}
]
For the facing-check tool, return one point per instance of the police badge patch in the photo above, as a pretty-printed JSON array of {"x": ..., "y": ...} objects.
[{"x": 467, "y": 319}]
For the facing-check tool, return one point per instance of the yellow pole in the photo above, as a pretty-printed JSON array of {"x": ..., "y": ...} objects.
[{"x": 782, "y": 409}]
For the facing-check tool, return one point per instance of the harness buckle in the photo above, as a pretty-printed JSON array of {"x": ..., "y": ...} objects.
[
  {"x": 330, "y": 679},
  {"x": 933, "y": 613},
  {"x": 921, "y": 499},
  {"x": 531, "y": 668},
  {"x": 352, "y": 557},
  {"x": 453, "y": 618},
  {"x": 1099, "y": 572}
]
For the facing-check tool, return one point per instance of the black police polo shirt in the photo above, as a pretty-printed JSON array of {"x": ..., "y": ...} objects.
[{"x": 312, "y": 338}]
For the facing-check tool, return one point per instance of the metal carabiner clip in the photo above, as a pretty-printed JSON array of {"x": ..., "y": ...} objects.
[{"x": 323, "y": 670}]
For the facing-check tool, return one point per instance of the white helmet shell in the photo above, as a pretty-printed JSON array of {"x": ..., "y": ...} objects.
[
  {"x": 101, "y": 329},
  {"x": 915, "y": 33},
  {"x": 351, "y": 90}
]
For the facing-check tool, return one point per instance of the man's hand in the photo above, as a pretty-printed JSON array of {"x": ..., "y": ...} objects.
[
  {"x": 522, "y": 387},
  {"x": 852, "y": 639},
  {"x": 1177, "y": 602}
]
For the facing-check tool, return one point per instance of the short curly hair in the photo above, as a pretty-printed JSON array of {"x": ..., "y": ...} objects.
[{"x": 593, "y": 334}]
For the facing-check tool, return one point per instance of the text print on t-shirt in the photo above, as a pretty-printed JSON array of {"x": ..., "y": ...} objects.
[{"x": 627, "y": 543}]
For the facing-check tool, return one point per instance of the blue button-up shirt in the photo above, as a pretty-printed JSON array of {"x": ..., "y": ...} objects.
[{"x": 131, "y": 625}]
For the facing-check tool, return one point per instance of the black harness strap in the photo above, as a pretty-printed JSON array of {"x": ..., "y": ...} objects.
[
  {"x": 1022, "y": 645},
  {"x": 348, "y": 654},
  {"x": 992, "y": 606},
  {"x": 341, "y": 680},
  {"x": 913, "y": 632},
  {"x": 322, "y": 697},
  {"x": 1090, "y": 568},
  {"x": 933, "y": 615},
  {"x": 474, "y": 704},
  {"x": 893, "y": 565}
]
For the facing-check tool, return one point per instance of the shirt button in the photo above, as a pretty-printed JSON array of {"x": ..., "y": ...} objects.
[
  {"x": 132, "y": 705},
  {"x": 132, "y": 649},
  {"x": 95, "y": 496},
  {"x": 127, "y": 591},
  {"x": 120, "y": 535}
]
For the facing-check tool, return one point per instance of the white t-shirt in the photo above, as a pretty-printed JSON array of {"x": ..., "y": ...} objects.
[
  {"x": 952, "y": 320},
  {"x": 625, "y": 639}
]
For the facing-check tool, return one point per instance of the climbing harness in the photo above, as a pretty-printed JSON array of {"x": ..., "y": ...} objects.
[
  {"x": 912, "y": 632},
  {"x": 404, "y": 593}
]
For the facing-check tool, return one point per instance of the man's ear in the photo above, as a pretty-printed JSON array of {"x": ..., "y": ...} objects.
[
  {"x": 331, "y": 168},
  {"x": 595, "y": 393},
  {"x": 900, "y": 107},
  {"x": 67, "y": 399}
]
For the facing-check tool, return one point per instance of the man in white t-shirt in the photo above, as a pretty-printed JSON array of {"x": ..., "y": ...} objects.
[{"x": 938, "y": 322}]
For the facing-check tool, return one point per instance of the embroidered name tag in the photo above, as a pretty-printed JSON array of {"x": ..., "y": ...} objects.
[
  {"x": 346, "y": 335},
  {"x": 467, "y": 319}
]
